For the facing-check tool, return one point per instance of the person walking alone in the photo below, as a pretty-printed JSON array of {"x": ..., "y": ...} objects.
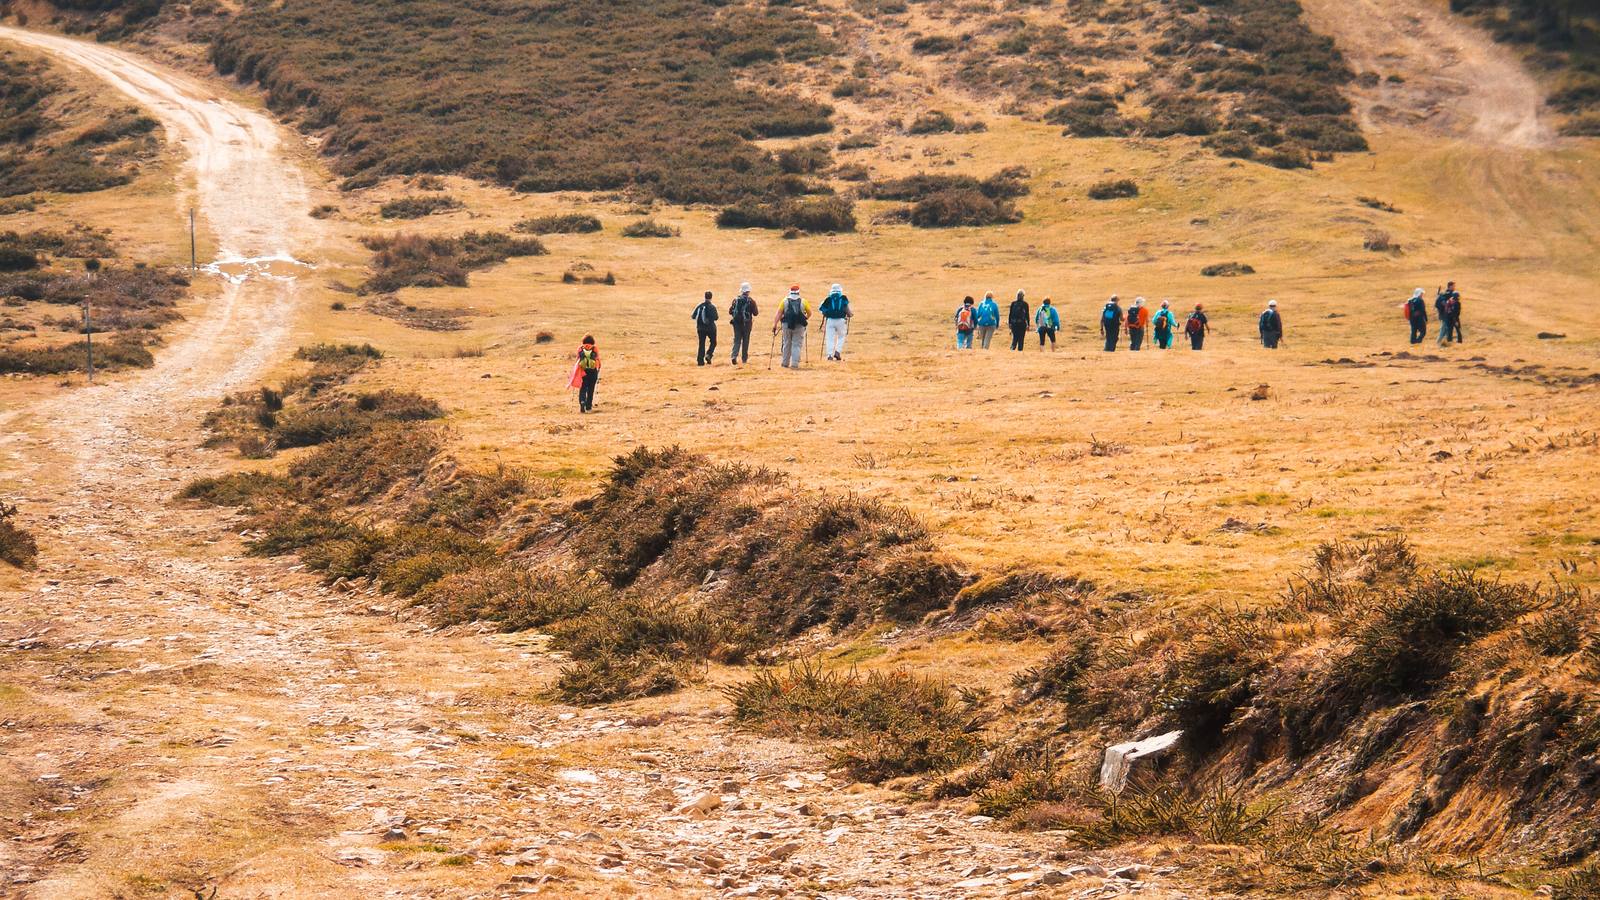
[
  {"x": 988, "y": 319},
  {"x": 742, "y": 316},
  {"x": 1111, "y": 323},
  {"x": 966, "y": 322},
  {"x": 1048, "y": 321},
  {"x": 1138, "y": 321},
  {"x": 1197, "y": 327},
  {"x": 1417, "y": 315},
  {"x": 793, "y": 317},
  {"x": 1164, "y": 324},
  {"x": 1019, "y": 317},
  {"x": 705, "y": 326},
  {"x": 586, "y": 373},
  {"x": 1271, "y": 326},
  {"x": 836, "y": 316}
]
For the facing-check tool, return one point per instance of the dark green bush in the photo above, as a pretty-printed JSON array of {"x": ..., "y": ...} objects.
[
  {"x": 571, "y": 223},
  {"x": 824, "y": 215},
  {"x": 649, "y": 228},
  {"x": 417, "y": 207},
  {"x": 1115, "y": 189},
  {"x": 932, "y": 122}
]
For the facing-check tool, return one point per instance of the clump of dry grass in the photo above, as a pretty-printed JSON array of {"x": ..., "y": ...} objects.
[
  {"x": 17, "y": 546},
  {"x": 414, "y": 260},
  {"x": 886, "y": 724}
]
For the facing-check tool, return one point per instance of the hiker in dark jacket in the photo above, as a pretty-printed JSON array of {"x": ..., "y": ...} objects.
[
  {"x": 1111, "y": 323},
  {"x": 1271, "y": 325},
  {"x": 1197, "y": 327},
  {"x": 742, "y": 316},
  {"x": 1020, "y": 319},
  {"x": 705, "y": 326},
  {"x": 1448, "y": 305},
  {"x": 1417, "y": 315}
]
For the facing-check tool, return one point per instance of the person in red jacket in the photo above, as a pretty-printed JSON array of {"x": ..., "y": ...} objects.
[
  {"x": 586, "y": 373},
  {"x": 1138, "y": 321}
]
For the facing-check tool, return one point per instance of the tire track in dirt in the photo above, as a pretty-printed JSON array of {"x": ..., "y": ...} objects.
[
  {"x": 1455, "y": 80},
  {"x": 186, "y": 718}
]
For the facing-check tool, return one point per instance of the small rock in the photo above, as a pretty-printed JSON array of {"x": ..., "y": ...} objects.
[
  {"x": 702, "y": 805},
  {"x": 1129, "y": 872},
  {"x": 395, "y": 834}
]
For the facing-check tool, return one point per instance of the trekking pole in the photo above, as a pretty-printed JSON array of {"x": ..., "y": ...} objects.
[{"x": 772, "y": 351}]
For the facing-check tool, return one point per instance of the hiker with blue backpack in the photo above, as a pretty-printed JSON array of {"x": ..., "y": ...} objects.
[
  {"x": 1111, "y": 323},
  {"x": 836, "y": 316},
  {"x": 1163, "y": 325},
  {"x": 988, "y": 319},
  {"x": 1048, "y": 321},
  {"x": 966, "y": 323},
  {"x": 1271, "y": 326}
]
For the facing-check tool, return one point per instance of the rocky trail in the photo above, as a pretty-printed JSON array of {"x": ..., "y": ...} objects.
[{"x": 180, "y": 718}]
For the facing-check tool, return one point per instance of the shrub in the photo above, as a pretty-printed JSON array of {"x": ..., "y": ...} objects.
[
  {"x": 17, "y": 259},
  {"x": 122, "y": 352},
  {"x": 649, "y": 228},
  {"x": 1116, "y": 189},
  {"x": 237, "y": 490},
  {"x": 953, "y": 208},
  {"x": 1227, "y": 270},
  {"x": 1379, "y": 242},
  {"x": 932, "y": 122},
  {"x": 413, "y": 260},
  {"x": 570, "y": 223},
  {"x": 887, "y": 724},
  {"x": 417, "y": 207},
  {"x": 822, "y": 215},
  {"x": 17, "y": 547},
  {"x": 933, "y": 43}
]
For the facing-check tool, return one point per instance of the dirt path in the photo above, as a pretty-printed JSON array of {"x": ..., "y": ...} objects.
[
  {"x": 180, "y": 718},
  {"x": 1455, "y": 80}
]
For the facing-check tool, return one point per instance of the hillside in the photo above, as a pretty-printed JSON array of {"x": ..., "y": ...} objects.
[{"x": 345, "y": 597}]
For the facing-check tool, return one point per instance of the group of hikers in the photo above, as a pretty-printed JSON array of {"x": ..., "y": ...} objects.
[
  {"x": 1447, "y": 303},
  {"x": 976, "y": 323}
]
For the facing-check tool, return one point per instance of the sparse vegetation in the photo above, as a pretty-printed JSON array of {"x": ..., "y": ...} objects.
[
  {"x": 1114, "y": 189},
  {"x": 414, "y": 260},
  {"x": 649, "y": 228},
  {"x": 825, "y": 215},
  {"x": 1227, "y": 270},
  {"x": 570, "y": 223},
  {"x": 679, "y": 126},
  {"x": 417, "y": 207}
]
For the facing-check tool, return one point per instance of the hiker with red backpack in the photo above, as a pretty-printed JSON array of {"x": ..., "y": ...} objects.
[
  {"x": 1111, "y": 323},
  {"x": 586, "y": 373},
  {"x": 966, "y": 323},
  {"x": 1164, "y": 323},
  {"x": 1416, "y": 312},
  {"x": 1197, "y": 327},
  {"x": 1138, "y": 321}
]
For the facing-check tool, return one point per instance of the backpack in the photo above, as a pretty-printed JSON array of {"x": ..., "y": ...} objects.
[
  {"x": 1163, "y": 320},
  {"x": 1108, "y": 319},
  {"x": 794, "y": 314},
  {"x": 1194, "y": 325},
  {"x": 740, "y": 312},
  {"x": 588, "y": 360},
  {"x": 1452, "y": 306},
  {"x": 964, "y": 319}
]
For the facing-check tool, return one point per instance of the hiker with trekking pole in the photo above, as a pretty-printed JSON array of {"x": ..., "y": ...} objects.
[
  {"x": 742, "y": 316},
  {"x": 1138, "y": 321},
  {"x": 1164, "y": 324},
  {"x": 836, "y": 316},
  {"x": 1271, "y": 326},
  {"x": 794, "y": 315}
]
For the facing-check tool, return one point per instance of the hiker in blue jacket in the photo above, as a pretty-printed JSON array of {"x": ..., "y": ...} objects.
[
  {"x": 1048, "y": 321},
  {"x": 988, "y": 319}
]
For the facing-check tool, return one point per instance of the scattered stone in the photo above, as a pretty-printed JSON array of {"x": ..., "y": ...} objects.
[
  {"x": 701, "y": 806},
  {"x": 1121, "y": 758}
]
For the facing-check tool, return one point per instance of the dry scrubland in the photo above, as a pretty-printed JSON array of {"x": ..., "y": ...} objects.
[{"x": 1130, "y": 491}]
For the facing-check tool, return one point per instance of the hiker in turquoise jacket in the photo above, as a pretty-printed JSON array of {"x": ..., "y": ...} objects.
[
  {"x": 1048, "y": 321},
  {"x": 1164, "y": 325},
  {"x": 988, "y": 320}
]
